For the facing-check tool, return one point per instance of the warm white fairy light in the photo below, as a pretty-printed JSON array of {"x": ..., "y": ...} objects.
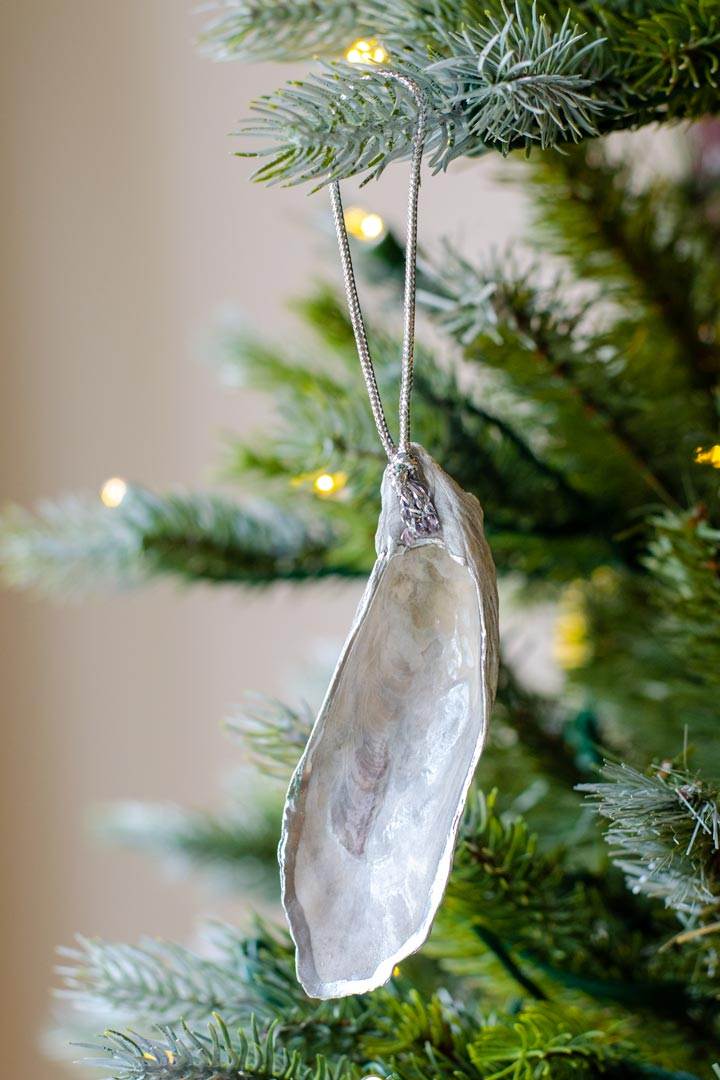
[
  {"x": 322, "y": 483},
  {"x": 326, "y": 484},
  {"x": 366, "y": 51},
  {"x": 710, "y": 456},
  {"x": 363, "y": 224},
  {"x": 113, "y": 492}
]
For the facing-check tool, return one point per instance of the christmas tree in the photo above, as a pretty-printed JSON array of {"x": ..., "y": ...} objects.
[{"x": 578, "y": 933}]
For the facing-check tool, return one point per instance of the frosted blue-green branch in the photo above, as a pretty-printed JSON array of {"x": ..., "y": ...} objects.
[
  {"x": 77, "y": 544},
  {"x": 242, "y": 977},
  {"x": 664, "y": 835},
  {"x": 496, "y": 76},
  {"x": 509, "y": 80},
  {"x": 217, "y": 1054},
  {"x": 270, "y": 30}
]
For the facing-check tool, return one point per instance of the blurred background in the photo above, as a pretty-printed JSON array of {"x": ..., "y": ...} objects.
[{"x": 128, "y": 227}]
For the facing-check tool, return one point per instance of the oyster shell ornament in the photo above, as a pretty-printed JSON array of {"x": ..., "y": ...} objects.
[{"x": 374, "y": 805}]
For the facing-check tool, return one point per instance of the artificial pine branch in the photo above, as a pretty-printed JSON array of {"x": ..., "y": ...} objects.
[
  {"x": 541, "y": 495},
  {"x": 272, "y": 30},
  {"x": 668, "y": 54},
  {"x": 435, "y": 1037},
  {"x": 563, "y": 750},
  {"x": 265, "y": 963},
  {"x": 573, "y": 928},
  {"x": 496, "y": 76},
  {"x": 219, "y": 1054},
  {"x": 155, "y": 982},
  {"x": 650, "y": 647},
  {"x": 508, "y": 81},
  {"x": 340, "y": 122},
  {"x": 641, "y": 369},
  {"x": 544, "y": 1040},
  {"x": 684, "y": 558},
  {"x": 537, "y": 1039},
  {"x": 397, "y": 1029},
  {"x": 664, "y": 836},
  {"x": 77, "y": 543},
  {"x": 244, "y": 976},
  {"x": 520, "y": 80},
  {"x": 639, "y": 243},
  {"x": 543, "y": 344},
  {"x": 540, "y": 1038},
  {"x": 538, "y": 520},
  {"x": 410, "y": 1032},
  {"x": 546, "y": 350}
]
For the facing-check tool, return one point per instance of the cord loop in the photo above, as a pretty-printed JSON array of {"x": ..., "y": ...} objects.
[{"x": 356, "y": 316}]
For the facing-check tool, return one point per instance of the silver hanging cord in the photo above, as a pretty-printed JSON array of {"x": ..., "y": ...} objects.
[{"x": 356, "y": 316}]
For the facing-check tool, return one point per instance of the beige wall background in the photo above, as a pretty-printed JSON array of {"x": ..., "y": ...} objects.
[{"x": 127, "y": 225}]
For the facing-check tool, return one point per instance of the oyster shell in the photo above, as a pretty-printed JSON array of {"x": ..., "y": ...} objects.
[{"x": 374, "y": 805}]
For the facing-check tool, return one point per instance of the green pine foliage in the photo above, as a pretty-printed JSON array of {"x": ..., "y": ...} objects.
[
  {"x": 261, "y": 30},
  {"x": 617, "y": 390},
  {"x": 214, "y": 1054},
  {"x": 680, "y": 864},
  {"x": 77, "y": 544},
  {"x": 156, "y": 982},
  {"x": 496, "y": 75},
  {"x": 523, "y": 921},
  {"x": 506, "y": 81},
  {"x": 579, "y": 933},
  {"x": 574, "y": 407},
  {"x": 683, "y": 559},
  {"x": 533, "y": 1043},
  {"x": 550, "y": 926}
]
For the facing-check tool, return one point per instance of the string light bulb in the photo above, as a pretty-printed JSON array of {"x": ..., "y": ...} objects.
[
  {"x": 322, "y": 483},
  {"x": 364, "y": 225},
  {"x": 366, "y": 51},
  {"x": 327, "y": 484},
  {"x": 571, "y": 645},
  {"x": 113, "y": 492},
  {"x": 708, "y": 457}
]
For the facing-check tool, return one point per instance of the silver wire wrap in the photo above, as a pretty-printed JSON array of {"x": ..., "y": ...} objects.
[{"x": 356, "y": 316}]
